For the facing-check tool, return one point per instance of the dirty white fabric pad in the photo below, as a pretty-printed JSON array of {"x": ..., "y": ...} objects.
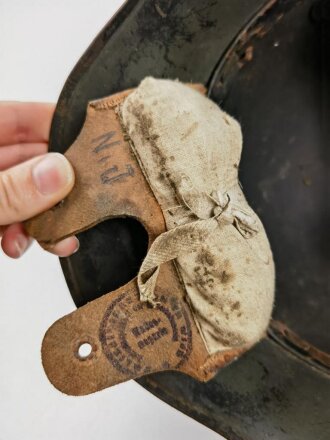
[{"x": 189, "y": 151}]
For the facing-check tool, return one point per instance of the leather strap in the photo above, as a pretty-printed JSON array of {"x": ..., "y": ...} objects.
[{"x": 127, "y": 337}]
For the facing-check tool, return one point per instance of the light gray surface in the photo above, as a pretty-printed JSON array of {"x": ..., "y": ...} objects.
[{"x": 40, "y": 41}]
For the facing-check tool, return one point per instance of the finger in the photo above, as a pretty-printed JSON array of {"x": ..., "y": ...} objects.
[
  {"x": 15, "y": 241},
  {"x": 22, "y": 122},
  {"x": 65, "y": 248},
  {"x": 33, "y": 187},
  {"x": 11, "y": 155}
]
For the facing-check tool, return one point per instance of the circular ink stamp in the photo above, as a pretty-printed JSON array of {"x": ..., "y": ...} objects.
[{"x": 138, "y": 339}]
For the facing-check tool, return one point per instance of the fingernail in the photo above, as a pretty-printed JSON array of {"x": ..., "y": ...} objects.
[
  {"x": 66, "y": 247},
  {"x": 52, "y": 174},
  {"x": 21, "y": 243},
  {"x": 76, "y": 249}
]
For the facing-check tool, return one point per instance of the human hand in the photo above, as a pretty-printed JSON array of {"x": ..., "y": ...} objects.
[{"x": 31, "y": 181}]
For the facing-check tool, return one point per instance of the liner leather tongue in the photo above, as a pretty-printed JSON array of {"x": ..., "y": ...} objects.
[
  {"x": 108, "y": 181},
  {"x": 127, "y": 338}
]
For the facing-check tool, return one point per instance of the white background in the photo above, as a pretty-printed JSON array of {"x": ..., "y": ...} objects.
[{"x": 40, "y": 42}]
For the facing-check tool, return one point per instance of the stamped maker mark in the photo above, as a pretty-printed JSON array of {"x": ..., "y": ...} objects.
[{"x": 137, "y": 339}]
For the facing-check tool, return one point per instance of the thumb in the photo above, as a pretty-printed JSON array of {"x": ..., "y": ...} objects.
[{"x": 34, "y": 186}]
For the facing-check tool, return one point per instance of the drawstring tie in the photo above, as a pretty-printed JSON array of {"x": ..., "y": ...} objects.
[{"x": 188, "y": 237}]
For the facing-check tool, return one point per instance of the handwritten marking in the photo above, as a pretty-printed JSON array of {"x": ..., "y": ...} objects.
[
  {"x": 104, "y": 159},
  {"x": 103, "y": 141},
  {"x": 108, "y": 180}
]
